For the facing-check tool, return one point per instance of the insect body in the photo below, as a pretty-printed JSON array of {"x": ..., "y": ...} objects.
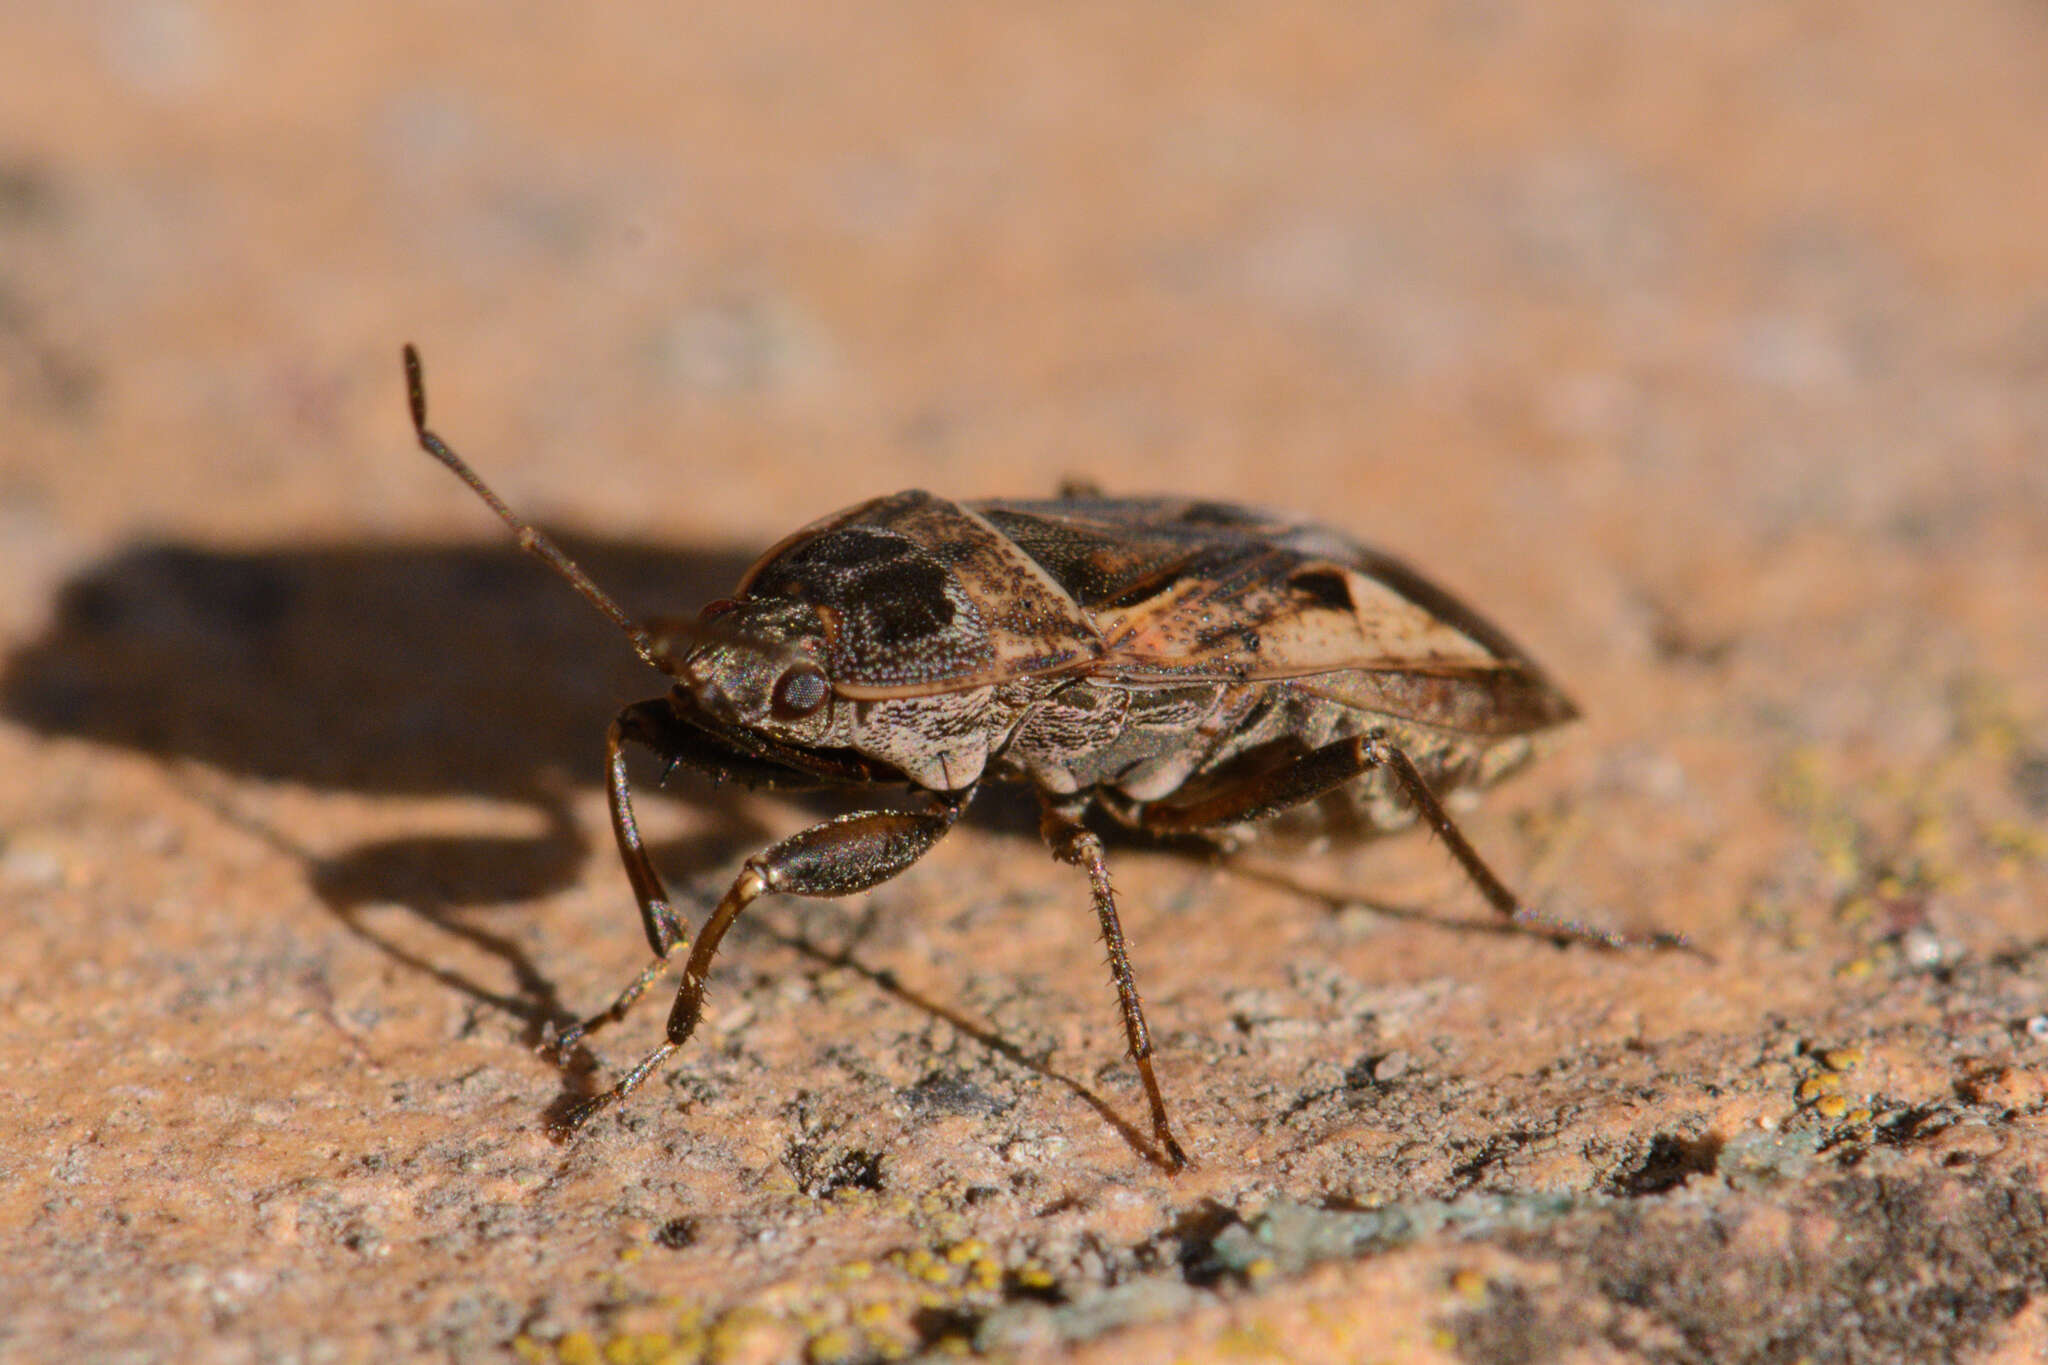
[{"x": 1191, "y": 668}]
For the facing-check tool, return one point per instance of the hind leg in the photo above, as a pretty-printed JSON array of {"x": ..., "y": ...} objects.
[{"x": 1324, "y": 770}]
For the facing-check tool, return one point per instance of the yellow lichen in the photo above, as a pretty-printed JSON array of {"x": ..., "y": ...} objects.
[
  {"x": 1469, "y": 1285},
  {"x": 830, "y": 1347},
  {"x": 1252, "y": 1340},
  {"x": 1035, "y": 1277},
  {"x": 1815, "y": 1088}
]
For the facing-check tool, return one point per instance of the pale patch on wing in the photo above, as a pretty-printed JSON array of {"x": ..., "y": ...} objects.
[
  {"x": 1272, "y": 630},
  {"x": 1394, "y": 632}
]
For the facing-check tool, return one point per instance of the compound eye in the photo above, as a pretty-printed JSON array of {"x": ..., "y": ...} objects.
[{"x": 799, "y": 692}]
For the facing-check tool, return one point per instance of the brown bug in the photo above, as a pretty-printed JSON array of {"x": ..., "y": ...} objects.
[{"x": 1189, "y": 667}]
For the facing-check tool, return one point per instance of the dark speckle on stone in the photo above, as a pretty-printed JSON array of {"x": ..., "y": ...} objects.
[{"x": 949, "y": 1092}]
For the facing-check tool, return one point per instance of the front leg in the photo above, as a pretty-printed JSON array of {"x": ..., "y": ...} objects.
[
  {"x": 837, "y": 858},
  {"x": 655, "y": 726},
  {"x": 650, "y": 723}
]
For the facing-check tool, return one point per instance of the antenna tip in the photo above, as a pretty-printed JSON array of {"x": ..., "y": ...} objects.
[{"x": 415, "y": 388}]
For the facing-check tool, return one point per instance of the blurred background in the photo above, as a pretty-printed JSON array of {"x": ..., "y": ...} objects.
[
  {"x": 705, "y": 272},
  {"x": 1704, "y": 346}
]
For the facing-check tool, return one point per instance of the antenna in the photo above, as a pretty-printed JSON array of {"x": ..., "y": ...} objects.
[{"x": 531, "y": 538}]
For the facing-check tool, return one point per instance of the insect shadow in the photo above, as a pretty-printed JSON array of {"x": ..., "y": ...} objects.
[{"x": 421, "y": 670}]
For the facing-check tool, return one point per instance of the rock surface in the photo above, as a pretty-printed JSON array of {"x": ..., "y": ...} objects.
[{"x": 1705, "y": 347}]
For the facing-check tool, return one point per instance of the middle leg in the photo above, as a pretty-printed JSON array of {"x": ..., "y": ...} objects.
[{"x": 1072, "y": 842}]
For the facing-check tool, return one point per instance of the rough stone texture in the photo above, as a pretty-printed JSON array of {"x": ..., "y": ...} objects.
[{"x": 1705, "y": 346}]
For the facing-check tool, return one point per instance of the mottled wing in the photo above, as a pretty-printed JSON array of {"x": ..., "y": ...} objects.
[{"x": 1191, "y": 590}]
